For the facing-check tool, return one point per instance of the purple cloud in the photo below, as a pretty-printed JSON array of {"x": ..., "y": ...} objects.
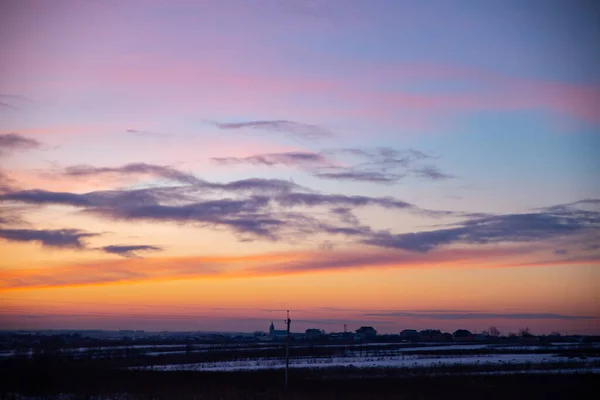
[{"x": 304, "y": 131}]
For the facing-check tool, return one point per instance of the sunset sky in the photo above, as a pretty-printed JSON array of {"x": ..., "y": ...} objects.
[{"x": 208, "y": 164}]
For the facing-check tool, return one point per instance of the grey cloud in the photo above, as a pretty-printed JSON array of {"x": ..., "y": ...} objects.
[
  {"x": 271, "y": 159},
  {"x": 43, "y": 197},
  {"x": 129, "y": 251},
  {"x": 361, "y": 176},
  {"x": 10, "y": 216},
  {"x": 6, "y": 183},
  {"x": 258, "y": 210},
  {"x": 13, "y": 141},
  {"x": 166, "y": 172},
  {"x": 430, "y": 172},
  {"x": 60, "y": 238},
  {"x": 345, "y": 214},
  {"x": 253, "y": 215},
  {"x": 133, "y": 169},
  {"x": 574, "y": 206},
  {"x": 360, "y": 231},
  {"x": 106, "y": 198},
  {"x": 489, "y": 229},
  {"x": 242, "y": 216},
  {"x": 316, "y": 199},
  {"x": 254, "y": 185},
  {"x": 381, "y": 165},
  {"x": 301, "y": 130}
]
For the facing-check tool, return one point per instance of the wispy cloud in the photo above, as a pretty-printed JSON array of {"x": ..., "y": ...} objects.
[
  {"x": 382, "y": 165},
  {"x": 6, "y": 183},
  {"x": 317, "y": 199},
  {"x": 254, "y": 185},
  {"x": 507, "y": 228},
  {"x": 261, "y": 265},
  {"x": 301, "y": 130},
  {"x": 130, "y": 251},
  {"x": 67, "y": 239},
  {"x": 271, "y": 159},
  {"x": 477, "y": 315},
  {"x": 361, "y": 176},
  {"x": 260, "y": 209},
  {"x": 133, "y": 169},
  {"x": 345, "y": 214},
  {"x": 430, "y": 172}
]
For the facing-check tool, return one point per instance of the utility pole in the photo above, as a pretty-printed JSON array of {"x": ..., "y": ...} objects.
[{"x": 288, "y": 321}]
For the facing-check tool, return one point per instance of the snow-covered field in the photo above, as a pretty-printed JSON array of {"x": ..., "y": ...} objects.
[
  {"x": 378, "y": 349},
  {"x": 408, "y": 361}
]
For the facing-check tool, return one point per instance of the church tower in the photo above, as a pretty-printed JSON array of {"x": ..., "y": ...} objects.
[{"x": 271, "y": 329}]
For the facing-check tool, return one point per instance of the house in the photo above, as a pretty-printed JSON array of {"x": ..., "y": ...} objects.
[
  {"x": 365, "y": 332},
  {"x": 431, "y": 335},
  {"x": 462, "y": 335},
  {"x": 409, "y": 334},
  {"x": 312, "y": 334}
]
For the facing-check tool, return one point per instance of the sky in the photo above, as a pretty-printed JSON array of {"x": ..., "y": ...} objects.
[{"x": 207, "y": 165}]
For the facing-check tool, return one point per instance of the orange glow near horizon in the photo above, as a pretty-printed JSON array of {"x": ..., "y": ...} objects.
[{"x": 170, "y": 289}]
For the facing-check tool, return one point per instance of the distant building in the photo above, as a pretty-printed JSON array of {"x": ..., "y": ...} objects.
[
  {"x": 366, "y": 332},
  {"x": 277, "y": 333},
  {"x": 431, "y": 335},
  {"x": 409, "y": 334},
  {"x": 312, "y": 334},
  {"x": 462, "y": 335},
  {"x": 341, "y": 336}
]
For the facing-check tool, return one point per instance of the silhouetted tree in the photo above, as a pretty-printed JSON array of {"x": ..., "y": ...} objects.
[
  {"x": 494, "y": 331},
  {"x": 525, "y": 332}
]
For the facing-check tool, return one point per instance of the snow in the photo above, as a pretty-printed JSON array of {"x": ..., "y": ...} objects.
[{"x": 366, "y": 362}]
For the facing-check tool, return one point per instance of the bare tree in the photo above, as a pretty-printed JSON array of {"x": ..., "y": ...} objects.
[
  {"x": 524, "y": 332},
  {"x": 494, "y": 331}
]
